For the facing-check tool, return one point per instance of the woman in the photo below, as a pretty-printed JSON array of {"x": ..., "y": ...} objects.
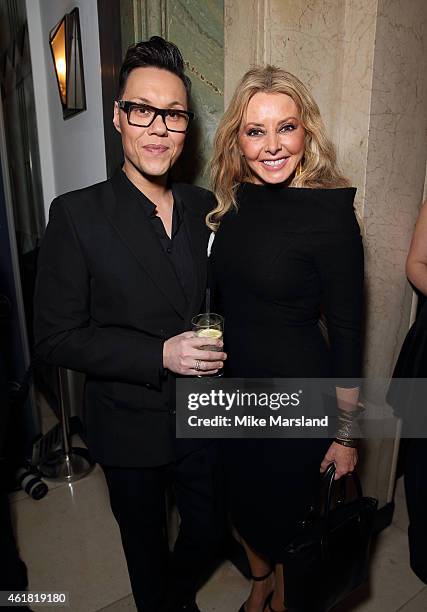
[
  {"x": 408, "y": 401},
  {"x": 287, "y": 247}
]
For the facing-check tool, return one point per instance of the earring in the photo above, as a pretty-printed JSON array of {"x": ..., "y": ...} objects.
[{"x": 298, "y": 171}]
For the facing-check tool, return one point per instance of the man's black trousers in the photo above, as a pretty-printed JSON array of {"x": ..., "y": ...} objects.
[{"x": 137, "y": 497}]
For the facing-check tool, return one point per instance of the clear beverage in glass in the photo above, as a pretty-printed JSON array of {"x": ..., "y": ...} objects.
[{"x": 209, "y": 325}]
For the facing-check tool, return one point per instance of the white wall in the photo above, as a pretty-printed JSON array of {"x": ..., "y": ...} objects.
[{"x": 72, "y": 152}]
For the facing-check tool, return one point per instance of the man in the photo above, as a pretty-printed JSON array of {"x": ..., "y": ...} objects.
[{"x": 122, "y": 270}]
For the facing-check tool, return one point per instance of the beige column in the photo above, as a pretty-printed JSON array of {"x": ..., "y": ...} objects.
[
  {"x": 365, "y": 63},
  {"x": 329, "y": 45}
]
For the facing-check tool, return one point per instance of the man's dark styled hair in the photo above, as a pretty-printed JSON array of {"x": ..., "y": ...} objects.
[{"x": 156, "y": 53}]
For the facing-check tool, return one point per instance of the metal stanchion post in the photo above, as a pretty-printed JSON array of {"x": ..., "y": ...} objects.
[{"x": 66, "y": 464}]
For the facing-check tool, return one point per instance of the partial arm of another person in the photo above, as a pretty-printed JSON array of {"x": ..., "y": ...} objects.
[{"x": 416, "y": 262}]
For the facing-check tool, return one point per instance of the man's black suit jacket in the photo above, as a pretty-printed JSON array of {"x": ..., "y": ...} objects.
[{"x": 106, "y": 299}]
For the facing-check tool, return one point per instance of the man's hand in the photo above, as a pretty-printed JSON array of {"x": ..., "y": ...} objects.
[
  {"x": 344, "y": 457},
  {"x": 182, "y": 355}
]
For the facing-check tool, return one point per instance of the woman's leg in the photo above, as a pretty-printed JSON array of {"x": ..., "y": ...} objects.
[
  {"x": 276, "y": 602},
  {"x": 260, "y": 566}
]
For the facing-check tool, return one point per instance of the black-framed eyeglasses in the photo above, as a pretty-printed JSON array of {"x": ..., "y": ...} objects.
[{"x": 143, "y": 115}]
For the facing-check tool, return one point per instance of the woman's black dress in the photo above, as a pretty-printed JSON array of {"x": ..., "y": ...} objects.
[
  {"x": 286, "y": 256},
  {"x": 408, "y": 401}
]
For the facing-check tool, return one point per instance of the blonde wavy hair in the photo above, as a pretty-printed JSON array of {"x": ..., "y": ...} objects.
[{"x": 229, "y": 168}]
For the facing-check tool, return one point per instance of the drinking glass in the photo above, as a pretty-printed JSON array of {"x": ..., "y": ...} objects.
[{"x": 209, "y": 325}]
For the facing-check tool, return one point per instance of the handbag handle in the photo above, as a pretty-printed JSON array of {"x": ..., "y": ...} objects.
[{"x": 328, "y": 477}]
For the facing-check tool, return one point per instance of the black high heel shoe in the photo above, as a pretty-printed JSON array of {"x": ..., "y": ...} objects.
[{"x": 258, "y": 579}]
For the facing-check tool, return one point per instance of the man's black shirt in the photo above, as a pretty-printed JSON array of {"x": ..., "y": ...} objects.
[{"x": 177, "y": 247}]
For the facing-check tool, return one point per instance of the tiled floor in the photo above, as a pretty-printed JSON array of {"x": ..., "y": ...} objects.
[{"x": 70, "y": 542}]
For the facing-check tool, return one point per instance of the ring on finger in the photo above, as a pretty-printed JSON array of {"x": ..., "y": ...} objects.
[{"x": 197, "y": 366}]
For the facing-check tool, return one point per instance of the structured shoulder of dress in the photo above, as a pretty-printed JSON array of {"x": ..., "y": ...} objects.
[
  {"x": 332, "y": 209},
  {"x": 302, "y": 209}
]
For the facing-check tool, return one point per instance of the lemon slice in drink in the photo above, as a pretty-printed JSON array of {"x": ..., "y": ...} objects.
[{"x": 209, "y": 333}]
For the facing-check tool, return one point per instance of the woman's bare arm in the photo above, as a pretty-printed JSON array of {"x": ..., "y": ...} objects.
[{"x": 416, "y": 263}]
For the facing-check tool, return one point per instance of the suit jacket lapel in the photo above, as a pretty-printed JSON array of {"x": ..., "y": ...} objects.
[{"x": 133, "y": 226}]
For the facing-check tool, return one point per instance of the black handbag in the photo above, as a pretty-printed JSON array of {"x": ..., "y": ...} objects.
[{"x": 328, "y": 558}]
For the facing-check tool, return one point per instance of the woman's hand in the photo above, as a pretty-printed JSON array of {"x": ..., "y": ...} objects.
[{"x": 344, "y": 457}]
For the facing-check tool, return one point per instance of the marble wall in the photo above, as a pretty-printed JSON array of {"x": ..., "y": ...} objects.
[
  {"x": 329, "y": 45},
  {"x": 395, "y": 172}
]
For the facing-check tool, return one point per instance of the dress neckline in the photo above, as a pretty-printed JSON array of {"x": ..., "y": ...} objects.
[{"x": 298, "y": 201}]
